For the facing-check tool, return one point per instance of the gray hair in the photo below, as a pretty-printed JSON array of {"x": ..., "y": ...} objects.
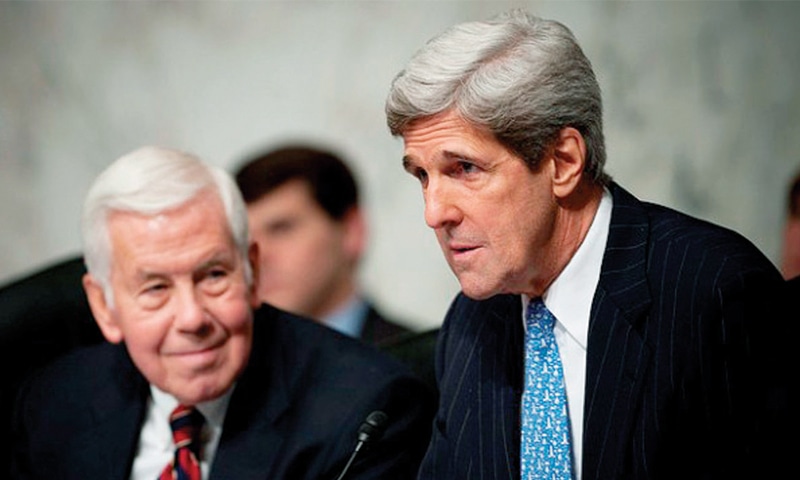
[
  {"x": 522, "y": 77},
  {"x": 148, "y": 181}
]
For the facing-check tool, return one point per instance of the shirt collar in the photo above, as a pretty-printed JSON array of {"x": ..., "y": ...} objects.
[
  {"x": 213, "y": 411},
  {"x": 349, "y": 319}
]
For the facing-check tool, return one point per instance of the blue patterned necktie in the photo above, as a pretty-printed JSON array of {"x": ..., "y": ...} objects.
[{"x": 545, "y": 452}]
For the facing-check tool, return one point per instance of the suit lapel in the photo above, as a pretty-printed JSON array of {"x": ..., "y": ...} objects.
[
  {"x": 106, "y": 449},
  {"x": 617, "y": 356},
  {"x": 250, "y": 442},
  {"x": 482, "y": 386}
]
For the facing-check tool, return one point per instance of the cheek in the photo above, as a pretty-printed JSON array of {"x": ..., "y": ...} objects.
[
  {"x": 239, "y": 324},
  {"x": 233, "y": 311},
  {"x": 144, "y": 342},
  {"x": 315, "y": 250},
  {"x": 515, "y": 237},
  {"x": 141, "y": 329}
]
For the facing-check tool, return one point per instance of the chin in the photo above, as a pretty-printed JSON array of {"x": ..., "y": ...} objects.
[
  {"x": 193, "y": 396},
  {"x": 477, "y": 292}
]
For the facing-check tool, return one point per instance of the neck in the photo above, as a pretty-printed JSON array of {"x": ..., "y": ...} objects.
[
  {"x": 342, "y": 291},
  {"x": 572, "y": 223}
]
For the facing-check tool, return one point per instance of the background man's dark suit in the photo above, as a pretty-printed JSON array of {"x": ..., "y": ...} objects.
[
  {"x": 415, "y": 349},
  {"x": 378, "y": 329},
  {"x": 294, "y": 413},
  {"x": 676, "y": 298}
]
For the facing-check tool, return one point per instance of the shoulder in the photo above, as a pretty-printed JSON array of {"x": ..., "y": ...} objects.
[
  {"x": 327, "y": 382},
  {"x": 83, "y": 374},
  {"x": 677, "y": 239},
  {"x": 310, "y": 348},
  {"x": 77, "y": 374},
  {"x": 380, "y": 329},
  {"x": 67, "y": 396}
]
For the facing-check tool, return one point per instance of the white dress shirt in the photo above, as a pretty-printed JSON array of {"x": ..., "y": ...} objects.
[
  {"x": 156, "y": 448},
  {"x": 569, "y": 299}
]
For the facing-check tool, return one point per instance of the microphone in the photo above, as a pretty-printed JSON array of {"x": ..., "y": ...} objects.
[{"x": 369, "y": 431}]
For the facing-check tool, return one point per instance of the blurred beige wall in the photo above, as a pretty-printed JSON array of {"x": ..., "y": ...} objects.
[{"x": 702, "y": 108}]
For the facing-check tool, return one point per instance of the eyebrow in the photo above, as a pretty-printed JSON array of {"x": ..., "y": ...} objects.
[
  {"x": 447, "y": 155},
  {"x": 218, "y": 259}
]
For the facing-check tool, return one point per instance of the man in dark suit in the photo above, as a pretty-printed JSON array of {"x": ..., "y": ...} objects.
[
  {"x": 305, "y": 214},
  {"x": 596, "y": 336},
  {"x": 261, "y": 394}
]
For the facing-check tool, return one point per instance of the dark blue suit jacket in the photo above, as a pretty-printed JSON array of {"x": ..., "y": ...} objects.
[
  {"x": 294, "y": 413},
  {"x": 675, "y": 361}
]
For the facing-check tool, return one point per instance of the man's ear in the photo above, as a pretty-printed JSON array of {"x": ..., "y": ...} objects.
[
  {"x": 255, "y": 266},
  {"x": 569, "y": 155},
  {"x": 100, "y": 309}
]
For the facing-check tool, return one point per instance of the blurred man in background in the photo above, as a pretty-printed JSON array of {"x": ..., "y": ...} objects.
[
  {"x": 305, "y": 215},
  {"x": 304, "y": 211},
  {"x": 790, "y": 255}
]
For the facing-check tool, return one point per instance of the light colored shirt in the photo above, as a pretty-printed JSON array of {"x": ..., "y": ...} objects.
[
  {"x": 350, "y": 318},
  {"x": 156, "y": 448},
  {"x": 569, "y": 299}
]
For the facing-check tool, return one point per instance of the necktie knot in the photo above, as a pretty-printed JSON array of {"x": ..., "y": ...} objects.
[
  {"x": 186, "y": 424},
  {"x": 539, "y": 320}
]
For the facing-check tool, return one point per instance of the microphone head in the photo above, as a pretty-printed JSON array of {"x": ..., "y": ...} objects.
[{"x": 373, "y": 426}]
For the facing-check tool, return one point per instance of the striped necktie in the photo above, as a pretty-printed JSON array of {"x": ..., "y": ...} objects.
[
  {"x": 545, "y": 447},
  {"x": 186, "y": 423}
]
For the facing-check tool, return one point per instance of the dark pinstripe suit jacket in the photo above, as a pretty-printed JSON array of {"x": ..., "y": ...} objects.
[{"x": 673, "y": 360}]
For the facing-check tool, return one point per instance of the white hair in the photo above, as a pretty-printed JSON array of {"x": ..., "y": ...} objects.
[{"x": 148, "y": 181}]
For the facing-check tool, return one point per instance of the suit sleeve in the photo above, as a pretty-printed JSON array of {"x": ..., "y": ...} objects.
[
  {"x": 435, "y": 463},
  {"x": 408, "y": 404}
]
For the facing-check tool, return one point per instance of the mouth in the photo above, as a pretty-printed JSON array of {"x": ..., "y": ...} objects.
[
  {"x": 199, "y": 355},
  {"x": 460, "y": 250},
  {"x": 461, "y": 247}
]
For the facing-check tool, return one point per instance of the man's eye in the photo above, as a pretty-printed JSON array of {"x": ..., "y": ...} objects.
[
  {"x": 155, "y": 288},
  {"x": 422, "y": 176},
  {"x": 216, "y": 281},
  {"x": 153, "y": 296},
  {"x": 282, "y": 227},
  {"x": 217, "y": 273},
  {"x": 467, "y": 167}
]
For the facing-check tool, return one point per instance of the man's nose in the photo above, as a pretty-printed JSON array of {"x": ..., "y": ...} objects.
[
  {"x": 191, "y": 315},
  {"x": 440, "y": 205}
]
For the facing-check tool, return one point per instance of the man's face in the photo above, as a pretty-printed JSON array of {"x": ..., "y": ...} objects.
[
  {"x": 307, "y": 259},
  {"x": 790, "y": 257},
  {"x": 494, "y": 218},
  {"x": 181, "y": 302}
]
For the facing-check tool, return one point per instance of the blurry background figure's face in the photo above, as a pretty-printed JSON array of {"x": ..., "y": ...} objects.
[
  {"x": 307, "y": 258},
  {"x": 790, "y": 262}
]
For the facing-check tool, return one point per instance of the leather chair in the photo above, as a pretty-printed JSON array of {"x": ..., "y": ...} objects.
[{"x": 42, "y": 316}]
